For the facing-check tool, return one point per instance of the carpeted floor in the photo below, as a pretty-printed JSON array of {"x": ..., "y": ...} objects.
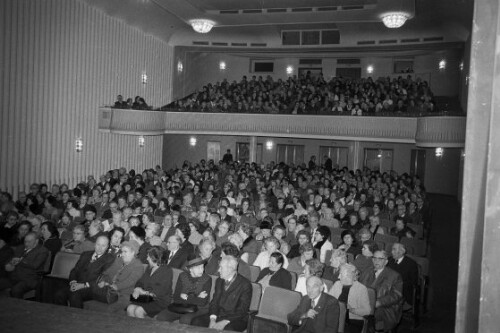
[{"x": 443, "y": 270}]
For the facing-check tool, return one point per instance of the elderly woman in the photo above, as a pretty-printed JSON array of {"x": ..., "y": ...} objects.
[
  {"x": 332, "y": 272},
  {"x": 375, "y": 227},
  {"x": 303, "y": 237},
  {"x": 222, "y": 232},
  {"x": 313, "y": 268},
  {"x": 118, "y": 281},
  {"x": 348, "y": 290},
  {"x": 364, "y": 260},
  {"x": 275, "y": 275},
  {"x": 271, "y": 245},
  {"x": 153, "y": 292},
  {"x": 298, "y": 264},
  {"x": 321, "y": 242},
  {"x": 349, "y": 243},
  {"x": 191, "y": 291},
  {"x": 79, "y": 243}
]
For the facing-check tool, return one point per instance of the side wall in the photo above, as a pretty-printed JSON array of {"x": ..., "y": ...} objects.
[
  {"x": 59, "y": 61},
  {"x": 441, "y": 174}
]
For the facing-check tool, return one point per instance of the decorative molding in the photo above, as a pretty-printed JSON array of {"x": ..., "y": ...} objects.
[{"x": 424, "y": 131}]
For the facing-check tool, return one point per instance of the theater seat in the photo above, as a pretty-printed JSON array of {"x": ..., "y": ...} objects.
[
  {"x": 254, "y": 272},
  {"x": 63, "y": 264}
]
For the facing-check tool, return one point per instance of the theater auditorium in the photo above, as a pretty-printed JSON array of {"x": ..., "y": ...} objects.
[{"x": 252, "y": 166}]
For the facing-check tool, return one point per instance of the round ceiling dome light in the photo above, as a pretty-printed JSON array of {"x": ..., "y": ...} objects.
[
  {"x": 202, "y": 26},
  {"x": 394, "y": 20}
]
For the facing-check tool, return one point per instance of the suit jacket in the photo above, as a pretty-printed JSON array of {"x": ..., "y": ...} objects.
[
  {"x": 327, "y": 319},
  {"x": 32, "y": 263},
  {"x": 389, "y": 289},
  {"x": 409, "y": 273},
  {"x": 231, "y": 304},
  {"x": 179, "y": 259},
  {"x": 160, "y": 284},
  {"x": 125, "y": 277},
  {"x": 282, "y": 278},
  {"x": 86, "y": 271}
]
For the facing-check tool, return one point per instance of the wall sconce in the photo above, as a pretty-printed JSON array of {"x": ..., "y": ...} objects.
[
  {"x": 141, "y": 141},
  {"x": 222, "y": 66},
  {"x": 289, "y": 70},
  {"x": 461, "y": 66},
  {"x": 442, "y": 64},
  {"x": 144, "y": 78},
  {"x": 79, "y": 145},
  {"x": 269, "y": 145},
  {"x": 180, "y": 67},
  {"x": 379, "y": 155},
  {"x": 192, "y": 141},
  {"x": 369, "y": 69},
  {"x": 439, "y": 152}
]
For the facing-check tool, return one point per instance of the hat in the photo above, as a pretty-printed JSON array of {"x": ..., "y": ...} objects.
[
  {"x": 266, "y": 225},
  {"x": 90, "y": 208},
  {"x": 195, "y": 261},
  {"x": 133, "y": 245}
]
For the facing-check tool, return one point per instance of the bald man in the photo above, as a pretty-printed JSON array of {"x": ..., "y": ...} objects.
[
  {"x": 317, "y": 312},
  {"x": 23, "y": 269}
]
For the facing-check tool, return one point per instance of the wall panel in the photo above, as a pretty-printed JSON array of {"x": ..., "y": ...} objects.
[{"x": 59, "y": 61}]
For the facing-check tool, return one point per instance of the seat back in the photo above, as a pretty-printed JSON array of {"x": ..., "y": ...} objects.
[
  {"x": 336, "y": 240},
  {"x": 254, "y": 273},
  {"x": 251, "y": 258},
  {"x": 175, "y": 276},
  {"x": 386, "y": 239},
  {"x": 272, "y": 309},
  {"x": 328, "y": 283},
  {"x": 418, "y": 228},
  {"x": 422, "y": 262},
  {"x": 63, "y": 264},
  {"x": 414, "y": 246},
  {"x": 328, "y": 256},
  {"x": 342, "y": 315},
  {"x": 294, "y": 279},
  {"x": 256, "y": 295},
  {"x": 214, "y": 280}
]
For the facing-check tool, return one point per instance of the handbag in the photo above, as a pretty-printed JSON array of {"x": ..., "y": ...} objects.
[
  {"x": 142, "y": 299},
  {"x": 105, "y": 294},
  {"x": 182, "y": 308}
]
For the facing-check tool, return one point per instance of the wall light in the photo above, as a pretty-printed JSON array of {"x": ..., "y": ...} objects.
[
  {"x": 202, "y": 26},
  {"x": 442, "y": 64},
  {"x": 461, "y": 66},
  {"x": 192, "y": 141},
  {"x": 269, "y": 145},
  {"x": 439, "y": 152},
  {"x": 379, "y": 155},
  {"x": 369, "y": 69},
  {"x": 395, "y": 19},
  {"x": 180, "y": 67},
  {"x": 79, "y": 145},
  {"x": 289, "y": 70},
  {"x": 141, "y": 141},
  {"x": 144, "y": 78},
  {"x": 222, "y": 66}
]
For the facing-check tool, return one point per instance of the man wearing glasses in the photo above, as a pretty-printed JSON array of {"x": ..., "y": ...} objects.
[{"x": 388, "y": 286}]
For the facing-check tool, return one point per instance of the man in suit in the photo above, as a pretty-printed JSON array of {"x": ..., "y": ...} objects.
[
  {"x": 23, "y": 269},
  {"x": 175, "y": 256},
  {"x": 229, "y": 307},
  {"x": 86, "y": 271},
  {"x": 388, "y": 286},
  {"x": 407, "y": 268},
  {"x": 317, "y": 312}
]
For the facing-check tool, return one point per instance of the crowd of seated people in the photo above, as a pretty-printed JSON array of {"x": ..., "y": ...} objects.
[
  {"x": 131, "y": 230},
  {"x": 138, "y": 103},
  {"x": 309, "y": 94}
]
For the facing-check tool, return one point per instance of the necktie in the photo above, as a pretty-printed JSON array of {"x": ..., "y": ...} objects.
[
  {"x": 227, "y": 284},
  {"x": 312, "y": 304}
]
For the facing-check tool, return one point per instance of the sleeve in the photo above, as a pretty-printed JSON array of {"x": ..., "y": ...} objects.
[
  {"x": 243, "y": 304},
  {"x": 78, "y": 267},
  {"x": 332, "y": 317},
  {"x": 194, "y": 299},
  {"x": 362, "y": 302},
  {"x": 179, "y": 286},
  {"x": 37, "y": 260},
  {"x": 294, "y": 316},
  {"x": 286, "y": 280},
  {"x": 395, "y": 292},
  {"x": 214, "y": 304}
]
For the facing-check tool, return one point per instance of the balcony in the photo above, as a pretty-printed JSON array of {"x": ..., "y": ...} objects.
[{"x": 424, "y": 131}]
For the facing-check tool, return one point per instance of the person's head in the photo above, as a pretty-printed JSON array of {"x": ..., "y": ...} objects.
[
  {"x": 30, "y": 240},
  {"x": 79, "y": 233},
  {"x": 206, "y": 248},
  {"x": 137, "y": 234},
  {"x": 196, "y": 266},
  {"x": 236, "y": 239},
  {"x": 183, "y": 231},
  {"x": 322, "y": 234},
  {"x": 223, "y": 228},
  {"x": 313, "y": 267},
  {"x": 303, "y": 237},
  {"x": 279, "y": 232},
  {"x": 338, "y": 258},
  {"x": 364, "y": 235},
  {"x": 229, "y": 249},
  {"x": 244, "y": 230},
  {"x": 152, "y": 229},
  {"x": 116, "y": 236},
  {"x": 347, "y": 237},
  {"x": 313, "y": 220},
  {"x": 314, "y": 286},
  {"x": 369, "y": 247},
  {"x": 306, "y": 251},
  {"x": 129, "y": 251},
  {"x": 36, "y": 223},
  {"x": 101, "y": 245},
  {"x": 90, "y": 213},
  {"x": 271, "y": 244},
  {"x": 95, "y": 227},
  {"x": 379, "y": 259},
  {"x": 228, "y": 267},
  {"x": 400, "y": 224},
  {"x": 173, "y": 243},
  {"x": 265, "y": 228},
  {"x": 276, "y": 261},
  {"x": 348, "y": 274},
  {"x": 49, "y": 230},
  {"x": 23, "y": 229},
  {"x": 398, "y": 251},
  {"x": 155, "y": 256}
]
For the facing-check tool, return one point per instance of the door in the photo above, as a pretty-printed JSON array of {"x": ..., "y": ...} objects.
[
  {"x": 338, "y": 155},
  {"x": 378, "y": 159},
  {"x": 348, "y": 73},
  {"x": 417, "y": 164}
]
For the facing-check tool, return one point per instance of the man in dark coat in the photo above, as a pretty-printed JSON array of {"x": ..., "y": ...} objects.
[{"x": 407, "y": 268}]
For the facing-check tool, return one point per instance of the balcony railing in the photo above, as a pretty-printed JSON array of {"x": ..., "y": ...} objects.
[{"x": 425, "y": 131}]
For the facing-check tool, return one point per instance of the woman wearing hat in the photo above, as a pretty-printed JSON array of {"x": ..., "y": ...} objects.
[
  {"x": 192, "y": 293},
  {"x": 153, "y": 292}
]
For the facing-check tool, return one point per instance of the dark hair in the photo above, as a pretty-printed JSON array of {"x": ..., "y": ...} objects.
[
  {"x": 230, "y": 249},
  {"x": 348, "y": 232},
  {"x": 303, "y": 232},
  {"x": 156, "y": 254},
  {"x": 372, "y": 246},
  {"x": 306, "y": 247},
  {"x": 54, "y": 233},
  {"x": 324, "y": 231},
  {"x": 115, "y": 229},
  {"x": 279, "y": 258},
  {"x": 139, "y": 232},
  {"x": 185, "y": 229}
]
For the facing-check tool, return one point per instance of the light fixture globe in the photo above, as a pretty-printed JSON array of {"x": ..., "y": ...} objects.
[
  {"x": 202, "y": 26},
  {"x": 394, "y": 20}
]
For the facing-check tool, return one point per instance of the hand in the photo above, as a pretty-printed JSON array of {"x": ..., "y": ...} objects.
[
  {"x": 136, "y": 293},
  {"x": 101, "y": 284},
  {"x": 203, "y": 294},
  {"x": 77, "y": 286},
  {"x": 184, "y": 297},
  {"x": 311, "y": 314},
  {"x": 72, "y": 282},
  {"x": 221, "y": 324},
  {"x": 377, "y": 304},
  {"x": 212, "y": 323},
  {"x": 15, "y": 261},
  {"x": 113, "y": 286}
]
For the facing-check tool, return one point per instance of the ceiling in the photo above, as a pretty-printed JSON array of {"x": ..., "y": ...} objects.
[{"x": 261, "y": 21}]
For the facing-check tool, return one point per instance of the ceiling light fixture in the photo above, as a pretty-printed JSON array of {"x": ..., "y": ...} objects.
[
  {"x": 394, "y": 20},
  {"x": 202, "y": 26}
]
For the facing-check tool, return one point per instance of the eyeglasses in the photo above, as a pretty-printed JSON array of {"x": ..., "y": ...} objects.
[{"x": 379, "y": 258}]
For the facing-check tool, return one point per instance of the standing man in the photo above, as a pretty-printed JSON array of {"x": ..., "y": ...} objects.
[
  {"x": 229, "y": 307},
  {"x": 388, "y": 286},
  {"x": 228, "y": 157},
  {"x": 317, "y": 312}
]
